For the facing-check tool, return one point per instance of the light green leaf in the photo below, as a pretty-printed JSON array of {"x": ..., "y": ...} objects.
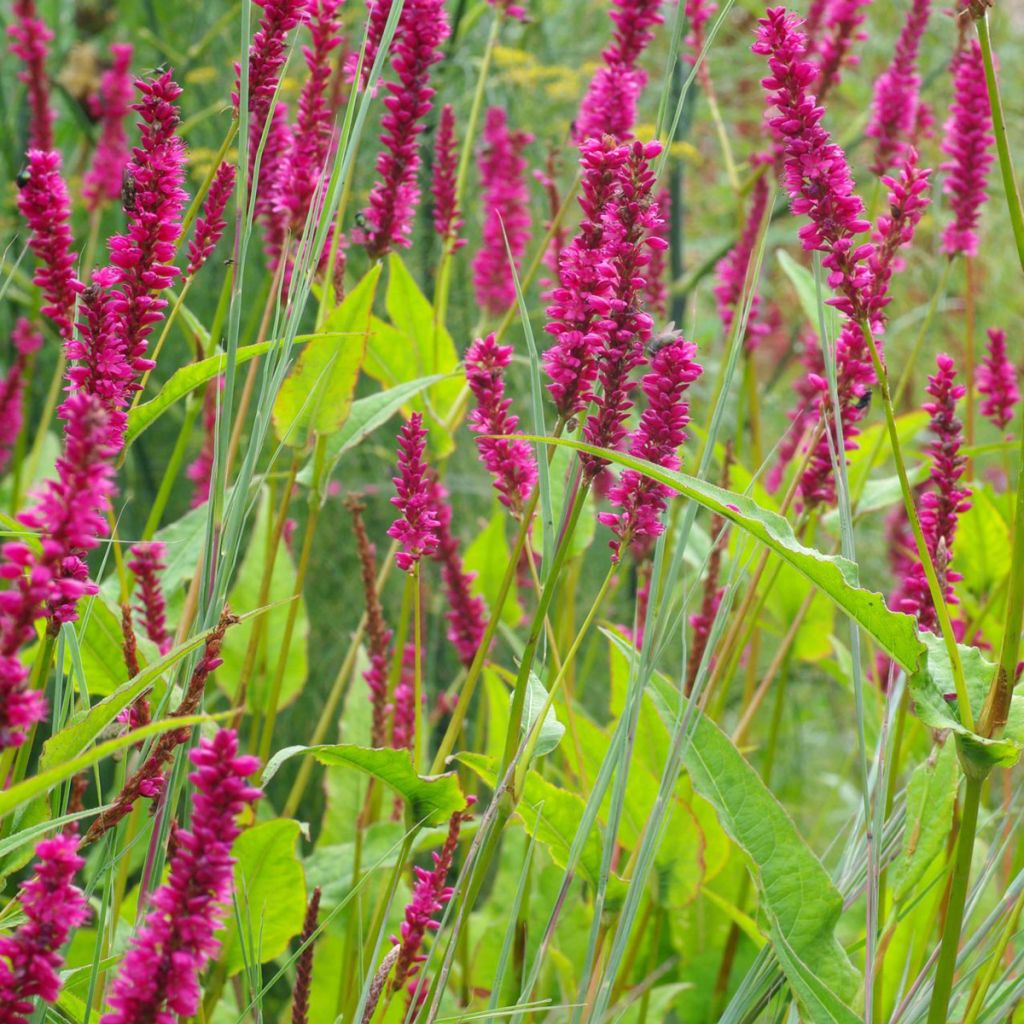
[
  {"x": 270, "y": 890},
  {"x": 433, "y": 798},
  {"x": 894, "y": 632},
  {"x": 798, "y": 899},
  {"x": 931, "y": 793},
  {"x": 246, "y": 594},
  {"x": 316, "y": 396},
  {"x": 983, "y": 544},
  {"x": 551, "y": 730}
]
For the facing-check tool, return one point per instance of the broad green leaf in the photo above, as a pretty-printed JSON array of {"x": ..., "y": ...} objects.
[
  {"x": 246, "y": 594},
  {"x": 551, "y": 729},
  {"x": 931, "y": 794},
  {"x": 798, "y": 899},
  {"x": 789, "y": 591},
  {"x": 85, "y": 726},
  {"x": 43, "y": 782},
  {"x": 487, "y": 556},
  {"x": 814, "y": 992},
  {"x": 553, "y": 815},
  {"x": 894, "y": 632},
  {"x": 433, "y": 798},
  {"x": 932, "y": 690},
  {"x": 983, "y": 544},
  {"x": 270, "y": 891},
  {"x": 803, "y": 284},
  {"x": 187, "y": 379},
  {"x": 316, "y": 396}
]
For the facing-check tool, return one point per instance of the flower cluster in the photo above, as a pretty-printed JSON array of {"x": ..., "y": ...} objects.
[
  {"x": 967, "y": 141},
  {"x": 26, "y": 340},
  {"x": 416, "y": 530},
  {"x": 147, "y": 562},
  {"x": 609, "y": 106},
  {"x": 662, "y": 429},
  {"x": 267, "y": 56},
  {"x": 511, "y": 463},
  {"x": 422, "y": 28},
  {"x": 210, "y": 223},
  {"x": 53, "y": 906},
  {"x": 159, "y": 975},
  {"x": 945, "y": 500},
  {"x": 506, "y": 228},
  {"x": 841, "y": 30},
  {"x": 897, "y": 92},
  {"x": 996, "y": 380},
  {"x": 103, "y": 180},
  {"x": 444, "y": 185},
  {"x": 30, "y": 39},
  {"x": 44, "y": 203}
]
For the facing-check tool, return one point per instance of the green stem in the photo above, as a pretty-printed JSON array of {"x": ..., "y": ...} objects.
[
  {"x": 943, "y": 985},
  {"x": 938, "y": 598},
  {"x": 997, "y": 702},
  {"x": 417, "y": 675}
]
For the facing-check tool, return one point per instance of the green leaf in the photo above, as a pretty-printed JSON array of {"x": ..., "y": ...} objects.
[
  {"x": 801, "y": 904},
  {"x": 433, "y": 798},
  {"x": 931, "y": 794},
  {"x": 246, "y": 594},
  {"x": 270, "y": 890},
  {"x": 551, "y": 730},
  {"x": 185, "y": 380},
  {"x": 553, "y": 815},
  {"x": 894, "y": 632},
  {"x": 983, "y": 544},
  {"x": 804, "y": 286},
  {"x": 316, "y": 396},
  {"x": 43, "y": 782}
]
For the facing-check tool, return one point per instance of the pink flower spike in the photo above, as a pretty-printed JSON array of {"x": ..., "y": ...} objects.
[
  {"x": 656, "y": 292},
  {"x": 967, "y": 141},
  {"x": 30, "y": 39},
  {"x": 416, "y": 530},
  {"x": 506, "y": 200},
  {"x": 158, "y": 979},
  {"x": 267, "y": 57},
  {"x": 513, "y": 10},
  {"x": 103, "y": 180},
  {"x": 996, "y": 380},
  {"x": 897, "y": 92},
  {"x": 200, "y": 470},
  {"x": 422, "y": 28},
  {"x": 661, "y": 431},
  {"x": 510, "y": 463},
  {"x": 842, "y": 29},
  {"x": 44, "y": 203},
  {"x": 147, "y": 562},
  {"x": 26, "y": 339},
  {"x": 447, "y": 216},
  {"x": 53, "y": 906},
  {"x": 403, "y": 703},
  {"x": 210, "y": 223}
]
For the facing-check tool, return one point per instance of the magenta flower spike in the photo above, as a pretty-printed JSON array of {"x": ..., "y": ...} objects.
[
  {"x": 267, "y": 56},
  {"x": 26, "y": 340},
  {"x": 996, "y": 380},
  {"x": 841, "y": 30},
  {"x": 30, "y": 39},
  {"x": 44, "y": 203},
  {"x": 210, "y": 223},
  {"x": 147, "y": 562},
  {"x": 586, "y": 282},
  {"x": 626, "y": 327},
  {"x": 511, "y": 463},
  {"x": 662, "y": 429},
  {"x": 430, "y": 895},
  {"x": 732, "y": 270},
  {"x": 53, "y": 905},
  {"x": 897, "y": 93},
  {"x": 103, "y": 180},
  {"x": 609, "y": 106},
  {"x": 422, "y": 28},
  {"x": 443, "y": 187},
  {"x": 513, "y": 10},
  {"x": 656, "y": 292},
  {"x": 467, "y": 613},
  {"x": 967, "y": 141},
  {"x": 158, "y": 979},
  {"x": 403, "y": 702},
  {"x": 698, "y": 14},
  {"x": 945, "y": 499},
  {"x": 200, "y": 470},
  {"x": 506, "y": 202},
  {"x": 416, "y": 529}
]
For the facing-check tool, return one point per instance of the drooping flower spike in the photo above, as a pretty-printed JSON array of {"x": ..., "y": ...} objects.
[
  {"x": 147, "y": 562},
  {"x": 996, "y": 380},
  {"x": 210, "y": 223},
  {"x": 53, "y": 906},
  {"x": 104, "y": 179},
  {"x": 158, "y": 979},
  {"x": 506, "y": 202},
  {"x": 967, "y": 141},
  {"x": 416, "y": 529}
]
